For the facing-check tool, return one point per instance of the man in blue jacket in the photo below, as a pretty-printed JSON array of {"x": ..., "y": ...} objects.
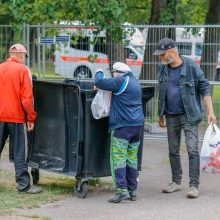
[
  {"x": 125, "y": 123},
  {"x": 181, "y": 86}
]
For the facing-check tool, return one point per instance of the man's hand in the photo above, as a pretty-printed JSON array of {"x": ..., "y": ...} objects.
[
  {"x": 95, "y": 88},
  {"x": 30, "y": 126},
  {"x": 211, "y": 118},
  {"x": 162, "y": 122}
]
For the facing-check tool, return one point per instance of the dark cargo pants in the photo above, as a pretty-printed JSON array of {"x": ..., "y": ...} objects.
[
  {"x": 17, "y": 142},
  {"x": 175, "y": 123}
]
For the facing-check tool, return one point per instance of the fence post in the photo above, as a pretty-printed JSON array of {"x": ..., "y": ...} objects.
[
  {"x": 43, "y": 55},
  {"x": 38, "y": 51},
  {"x": 28, "y": 43}
]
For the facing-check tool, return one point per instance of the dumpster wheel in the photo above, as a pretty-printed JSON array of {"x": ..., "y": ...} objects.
[{"x": 81, "y": 189}]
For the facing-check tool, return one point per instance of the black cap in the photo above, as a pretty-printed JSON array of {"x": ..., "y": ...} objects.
[{"x": 163, "y": 45}]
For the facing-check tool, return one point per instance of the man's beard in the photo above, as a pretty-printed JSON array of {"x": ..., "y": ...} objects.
[{"x": 168, "y": 61}]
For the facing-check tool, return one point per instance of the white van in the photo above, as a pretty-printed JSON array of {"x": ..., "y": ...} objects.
[
  {"x": 79, "y": 58},
  {"x": 190, "y": 45}
]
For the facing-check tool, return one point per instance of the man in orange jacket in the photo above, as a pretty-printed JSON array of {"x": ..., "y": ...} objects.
[{"x": 17, "y": 112}]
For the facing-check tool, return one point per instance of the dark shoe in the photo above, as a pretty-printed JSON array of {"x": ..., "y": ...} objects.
[
  {"x": 133, "y": 195},
  {"x": 33, "y": 190},
  {"x": 119, "y": 197}
]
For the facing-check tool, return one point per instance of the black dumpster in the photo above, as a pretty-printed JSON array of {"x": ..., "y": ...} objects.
[{"x": 67, "y": 139}]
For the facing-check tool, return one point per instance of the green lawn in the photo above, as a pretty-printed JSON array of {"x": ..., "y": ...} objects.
[
  {"x": 54, "y": 188},
  {"x": 216, "y": 101},
  {"x": 216, "y": 93},
  {"x": 49, "y": 71}
]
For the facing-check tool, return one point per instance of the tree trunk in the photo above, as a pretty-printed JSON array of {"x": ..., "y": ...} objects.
[
  {"x": 154, "y": 35},
  {"x": 33, "y": 51},
  {"x": 115, "y": 51},
  {"x": 211, "y": 44},
  {"x": 150, "y": 62}
]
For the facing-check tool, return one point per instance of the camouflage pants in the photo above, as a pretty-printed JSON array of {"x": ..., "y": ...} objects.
[{"x": 124, "y": 148}]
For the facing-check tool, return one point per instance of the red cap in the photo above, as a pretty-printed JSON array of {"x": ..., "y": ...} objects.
[{"x": 18, "y": 48}]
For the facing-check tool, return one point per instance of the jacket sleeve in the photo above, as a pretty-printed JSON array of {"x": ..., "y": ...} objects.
[
  {"x": 27, "y": 98},
  {"x": 203, "y": 83},
  {"x": 111, "y": 84}
]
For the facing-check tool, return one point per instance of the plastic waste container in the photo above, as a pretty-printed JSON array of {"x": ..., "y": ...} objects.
[{"x": 67, "y": 139}]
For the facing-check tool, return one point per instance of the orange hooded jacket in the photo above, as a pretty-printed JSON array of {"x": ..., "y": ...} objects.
[{"x": 16, "y": 96}]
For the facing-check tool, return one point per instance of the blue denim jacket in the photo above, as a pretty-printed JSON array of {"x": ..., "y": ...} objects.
[{"x": 193, "y": 86}]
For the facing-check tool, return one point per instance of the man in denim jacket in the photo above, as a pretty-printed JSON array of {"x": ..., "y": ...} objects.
[{"x": 181, "y": 86}]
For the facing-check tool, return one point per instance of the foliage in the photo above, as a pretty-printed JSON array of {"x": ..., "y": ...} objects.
[
  {"x": 192, "y": 11},
  {"x": 138, "y": 12},
  {"x": 40, "y": 11},
  {"x": 109, "y": 15},
  {"x": 167, "y": 15}
]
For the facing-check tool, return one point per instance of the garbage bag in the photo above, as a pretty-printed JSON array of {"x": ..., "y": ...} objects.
[
  {"x": 210, "y": 152},
  {"x": 101, "y": 104}
]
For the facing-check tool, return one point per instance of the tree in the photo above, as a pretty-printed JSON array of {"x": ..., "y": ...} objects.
[
  {"x": 211, "y": 41},
  {"x": 162, "y": 12},
  {"x": 138, "y": 12},
  {"x": 109, "y": 15},
  {"x": 19, "y": 12},
  {"x": 191, "y": 11}
]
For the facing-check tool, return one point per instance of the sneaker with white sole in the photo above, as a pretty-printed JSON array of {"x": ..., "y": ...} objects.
[
  {"x": 119, "y": 197},
  {"x": 172, "y": 187},
  {"x": 32, "y": 190},
  {"x": 193, "y": 192}
]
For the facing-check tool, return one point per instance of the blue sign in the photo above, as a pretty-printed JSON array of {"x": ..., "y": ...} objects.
[
  {"x": 63, "y": 39},
  {"x": 46, "y": 40}
]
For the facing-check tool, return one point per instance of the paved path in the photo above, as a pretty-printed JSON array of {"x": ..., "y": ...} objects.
[{"x": 151, "y": 204}]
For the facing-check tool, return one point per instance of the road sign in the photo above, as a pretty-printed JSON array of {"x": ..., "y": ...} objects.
[
  {"x": 46, "y": 40},
  {"x": 63, "y": 39}
]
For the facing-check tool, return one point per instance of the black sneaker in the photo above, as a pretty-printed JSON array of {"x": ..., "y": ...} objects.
[
  {"x": 119, "y": 197},
  {"x": 133, "y": 195},
  {"x": 33, "y": 190}
]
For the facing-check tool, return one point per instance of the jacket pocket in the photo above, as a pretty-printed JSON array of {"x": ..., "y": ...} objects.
[{"x": 190, "y": 87}]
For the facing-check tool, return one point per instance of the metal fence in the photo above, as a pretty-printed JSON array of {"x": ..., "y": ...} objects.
[{"x": 67, "y": 51}]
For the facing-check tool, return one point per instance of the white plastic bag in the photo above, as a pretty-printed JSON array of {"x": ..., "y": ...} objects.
[
  {"x": 101, "y": 104},
  {"x": 210, "y": 152}
]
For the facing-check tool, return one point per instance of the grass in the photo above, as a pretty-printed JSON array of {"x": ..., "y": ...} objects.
[
  {"x": 33, "y": 217},
  {"x": 49, "y": 71},
  {"x": 166, "y": 162},
  {"x": 216, "y": 106},
  {"x": 183, "y": 148},
  {"x": 216, "y": 101},
  {"x": 216, "y": 93},
  {"x": 54, "y": 186}
]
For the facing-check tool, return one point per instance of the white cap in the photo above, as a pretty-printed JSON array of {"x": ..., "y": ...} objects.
[{"x": 121, "y": 67}]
